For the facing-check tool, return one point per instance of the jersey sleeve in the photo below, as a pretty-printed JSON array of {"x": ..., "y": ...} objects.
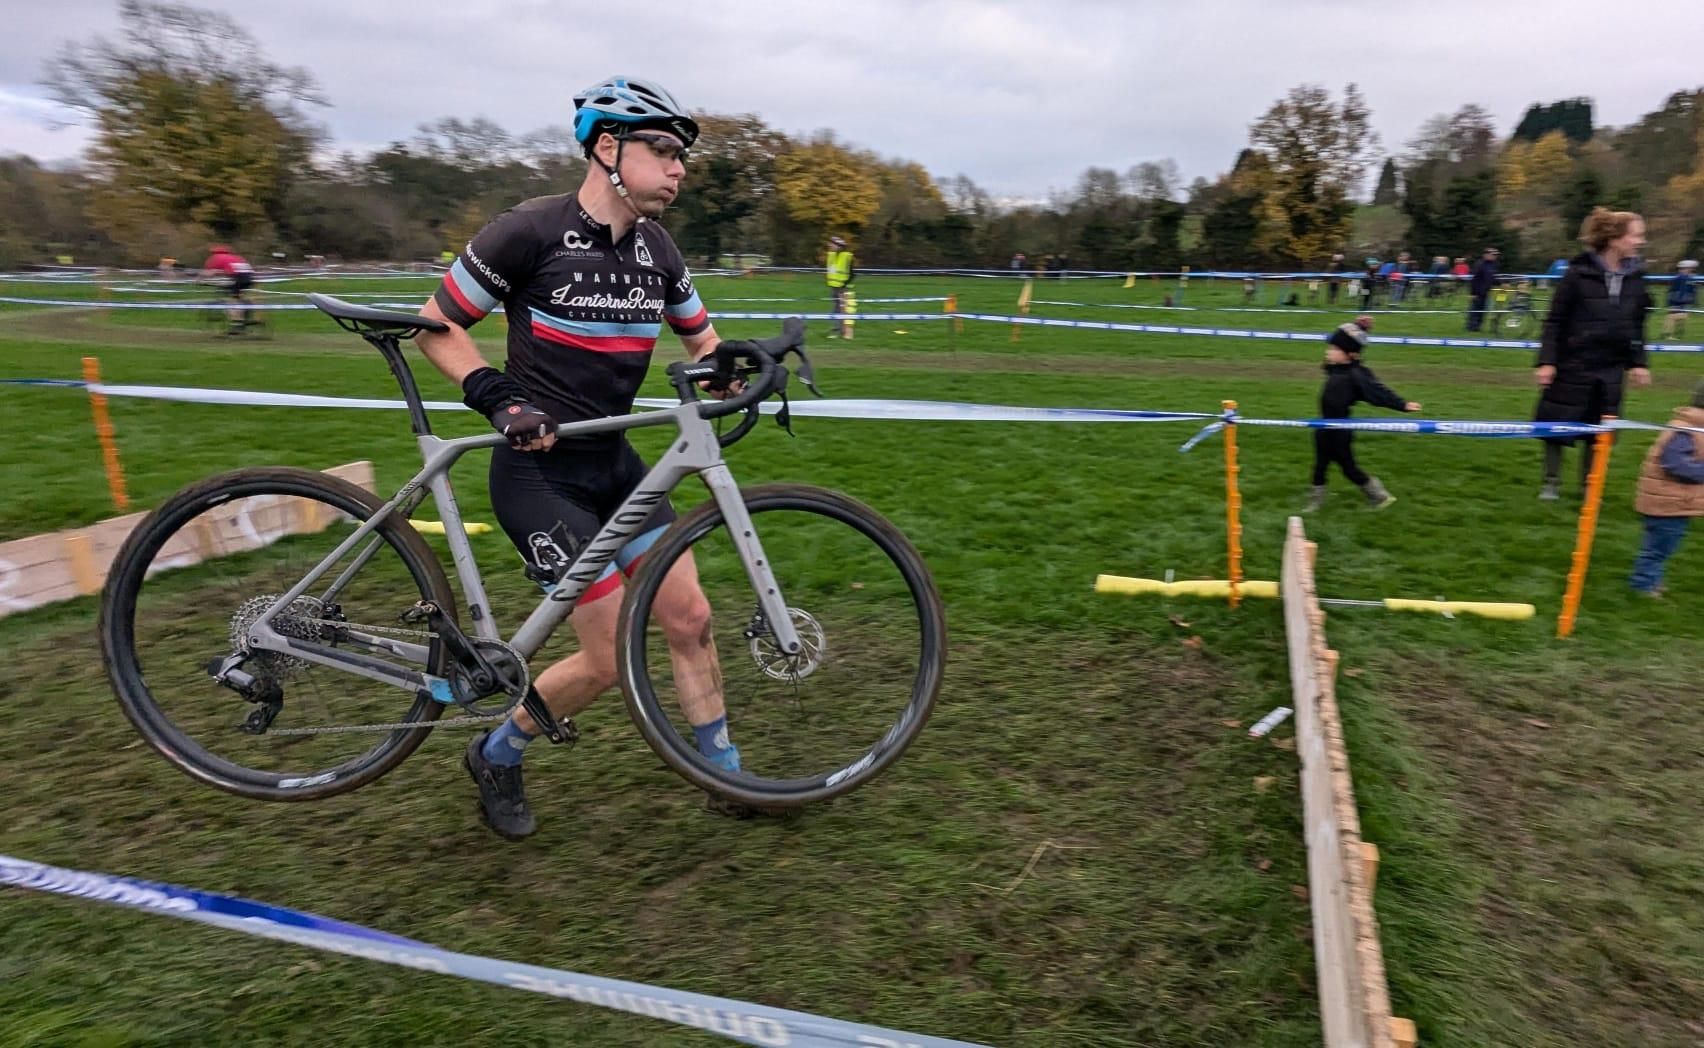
[
  {"x": 488, "y": 270},
  {"x": 682, "y": 306}
]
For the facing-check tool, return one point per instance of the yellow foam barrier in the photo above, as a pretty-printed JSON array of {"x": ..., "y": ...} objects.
[
  {"x": 1221, "y": 588},
  {"x": 1484, "y": 609},
  {"x": 1184, "y": 588},
  {"x": 436, "y": 527}
]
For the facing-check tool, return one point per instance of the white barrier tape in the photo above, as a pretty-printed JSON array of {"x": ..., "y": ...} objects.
[
  {"x": 993, "y": 318},
  {"x": 1284, "y": 336},
  {"x": 899, "y": 410},
  {"x": 741, "y": 1021},
  {"x": 1296, "y": 310}
]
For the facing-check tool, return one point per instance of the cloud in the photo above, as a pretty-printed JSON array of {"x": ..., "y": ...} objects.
[{"x": 1021, "y": 96}]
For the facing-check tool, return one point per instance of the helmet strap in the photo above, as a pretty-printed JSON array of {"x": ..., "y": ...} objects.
[{"x": 614, "y": 175}]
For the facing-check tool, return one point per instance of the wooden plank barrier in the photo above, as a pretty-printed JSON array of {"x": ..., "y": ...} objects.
[
  {"x": 45, "y": 569},
  {"x": 1354, "y": 1001}
]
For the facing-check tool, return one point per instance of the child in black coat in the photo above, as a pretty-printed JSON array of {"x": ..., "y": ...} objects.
[{"x": 1348, "y": 381}]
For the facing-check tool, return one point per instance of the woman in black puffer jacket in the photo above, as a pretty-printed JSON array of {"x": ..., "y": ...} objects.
[{"x": 1594, "y": 335}]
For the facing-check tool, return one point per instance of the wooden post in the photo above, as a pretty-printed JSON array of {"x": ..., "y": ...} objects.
[
  {"x": 1233, "y": 507},
  {"x": 1370, "y": 863},
  {"x": 1604, "y": 442},
  {"x": 1403, "y": 1034},
  {"x": 79, "y": 553},
  {"x": 1023, "y": 304},
  {"x": 103, "y": 432}
]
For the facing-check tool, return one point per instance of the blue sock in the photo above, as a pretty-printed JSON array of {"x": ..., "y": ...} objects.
[
  {"x": 713, "y": 743},
  {"x": 506, "y": 744}
]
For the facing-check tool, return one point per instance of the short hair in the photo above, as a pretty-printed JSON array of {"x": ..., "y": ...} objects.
[{"x": 1604, "y": 225}]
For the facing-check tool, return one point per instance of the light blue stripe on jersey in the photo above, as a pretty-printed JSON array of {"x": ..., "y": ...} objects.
[
  {"x": 685, "y": 310},
  {"x": 471, "y": 289},
  {"x": 596, "y": 329}
]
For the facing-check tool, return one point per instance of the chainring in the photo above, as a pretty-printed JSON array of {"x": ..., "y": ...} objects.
[{"x": 512, "y": 673}]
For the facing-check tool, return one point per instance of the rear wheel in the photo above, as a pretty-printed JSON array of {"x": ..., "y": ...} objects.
[{"x": 196, "y": 574}]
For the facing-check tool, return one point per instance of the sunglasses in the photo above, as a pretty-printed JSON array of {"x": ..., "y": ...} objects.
[{"x": 662, "y": 147}]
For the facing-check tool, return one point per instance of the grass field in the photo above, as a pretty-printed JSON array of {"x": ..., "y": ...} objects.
[{"x": 1536, "y": 801}]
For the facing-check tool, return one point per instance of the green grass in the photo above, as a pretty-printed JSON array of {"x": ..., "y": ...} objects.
[{"x": 1535, "y": 801}]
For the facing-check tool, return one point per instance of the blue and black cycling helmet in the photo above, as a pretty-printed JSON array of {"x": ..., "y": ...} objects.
[{"x": 619, "y": 104}]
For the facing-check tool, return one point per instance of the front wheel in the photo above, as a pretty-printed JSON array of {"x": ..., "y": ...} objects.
[{"x": 808, "y": 726}]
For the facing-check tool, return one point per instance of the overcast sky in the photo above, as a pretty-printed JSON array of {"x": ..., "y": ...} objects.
[{"x": 1020, "y": 96}]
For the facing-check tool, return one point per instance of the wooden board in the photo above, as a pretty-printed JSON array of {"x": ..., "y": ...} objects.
[
  {"x": 44, "y": 569},
  {"x": 1354, "y": 1001}
]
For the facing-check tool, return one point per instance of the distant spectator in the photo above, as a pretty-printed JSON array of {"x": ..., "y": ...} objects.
[
  {"x": 1348, "y": 382},
  {"x": 1333, "y": 270},
  {"x": 1018, "y": 261},
  {"x": 1594, "y": 335},
  {"x": 1670, "y": 494},
  {"x": 840, "y": 271},
  {"x": 1369, "y": 282},
  {"x": 1435, "y": 276},
  {"x": 1484, "y": 278},
  {"x": 1682, "y": 294}
]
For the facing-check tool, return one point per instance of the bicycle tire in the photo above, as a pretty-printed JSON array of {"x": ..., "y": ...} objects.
[
  {"x": 649, "y": 712},
  {"x": 118, "y": 619}
]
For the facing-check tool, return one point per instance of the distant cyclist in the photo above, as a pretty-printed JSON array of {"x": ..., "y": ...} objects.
[
  {"x": 232, "y": 274},
  {"x": 586, "y": 280}
]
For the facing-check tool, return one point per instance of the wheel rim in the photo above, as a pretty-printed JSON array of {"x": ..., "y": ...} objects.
[
  {"x": 189, "y": 595},
  {"x": 843, "y": 709}
]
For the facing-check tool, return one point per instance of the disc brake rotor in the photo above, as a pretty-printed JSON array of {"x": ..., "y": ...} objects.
[{"x": 778, "y": 664}]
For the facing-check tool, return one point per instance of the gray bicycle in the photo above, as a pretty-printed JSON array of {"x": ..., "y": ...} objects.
[{"x": 284, "y": 634}]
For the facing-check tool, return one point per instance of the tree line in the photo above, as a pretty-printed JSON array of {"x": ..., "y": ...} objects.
[{"x": 198, "y": 136}]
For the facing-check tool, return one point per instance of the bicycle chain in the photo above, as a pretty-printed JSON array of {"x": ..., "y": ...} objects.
[{"x": 454, "y": 722}]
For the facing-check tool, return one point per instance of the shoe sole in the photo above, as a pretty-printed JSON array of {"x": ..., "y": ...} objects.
[{"x": 484, "y": 817}]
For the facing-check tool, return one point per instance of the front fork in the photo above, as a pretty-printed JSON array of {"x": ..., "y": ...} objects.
[{"x": 738, "y": 520}]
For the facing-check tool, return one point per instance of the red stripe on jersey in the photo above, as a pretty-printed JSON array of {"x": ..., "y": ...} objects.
[
  {"x": 461, "y": 300},
  {"x": 696, "y": 320},
  {"x": 596, "y": 344}
]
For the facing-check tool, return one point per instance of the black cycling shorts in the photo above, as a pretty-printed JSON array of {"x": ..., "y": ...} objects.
[
  {"x": 552, "y": 503},
  {"x": 239, "y": 283}
]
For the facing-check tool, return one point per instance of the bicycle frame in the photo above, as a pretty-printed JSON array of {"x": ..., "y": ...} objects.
[{"x": 696, "y": 451}]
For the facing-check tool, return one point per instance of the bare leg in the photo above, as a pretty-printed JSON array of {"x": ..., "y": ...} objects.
[
  {"x": 684, "y": 614},
  {"x": 573, "y": 684}
]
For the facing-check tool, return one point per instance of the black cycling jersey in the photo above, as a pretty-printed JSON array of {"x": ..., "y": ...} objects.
[{"x": 584, "y": 311}]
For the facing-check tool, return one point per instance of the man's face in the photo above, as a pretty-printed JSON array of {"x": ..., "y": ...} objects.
[{"x": 652, "y": 166}]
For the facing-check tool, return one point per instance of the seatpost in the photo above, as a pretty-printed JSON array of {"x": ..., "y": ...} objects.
[{"x": 391, "y": 349}]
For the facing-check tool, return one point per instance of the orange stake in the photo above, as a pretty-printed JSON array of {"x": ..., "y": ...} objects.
[
  {"x": 103, "y": 430},
  {"x": 1588, "y": 533},
  {"x": 1233, "y": 507}
]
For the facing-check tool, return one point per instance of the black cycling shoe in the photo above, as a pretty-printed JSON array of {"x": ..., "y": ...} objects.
[{"x": 502, "y": 796}]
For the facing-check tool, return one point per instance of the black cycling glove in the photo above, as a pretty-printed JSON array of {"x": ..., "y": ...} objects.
[{"x": 502, "y": 401}]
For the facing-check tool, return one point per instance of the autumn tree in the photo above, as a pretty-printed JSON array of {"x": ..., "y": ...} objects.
[
  {"x": 192, "y": 123},
  {"x": 1317, "y": 150},
  {"x": 822, "y": 186}
]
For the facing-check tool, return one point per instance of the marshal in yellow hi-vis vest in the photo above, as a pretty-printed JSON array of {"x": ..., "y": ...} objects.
[{"x": 839, "y": 267}]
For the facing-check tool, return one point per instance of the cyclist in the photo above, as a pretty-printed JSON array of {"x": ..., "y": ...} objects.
[
  {"x": 586, "y": 279},
  {"x": 233, "y": 275}
]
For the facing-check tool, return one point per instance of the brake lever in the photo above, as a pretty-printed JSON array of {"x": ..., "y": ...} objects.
[
  {"x": 807, "y": 374},
  {"x": 784, "y": 417}
]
